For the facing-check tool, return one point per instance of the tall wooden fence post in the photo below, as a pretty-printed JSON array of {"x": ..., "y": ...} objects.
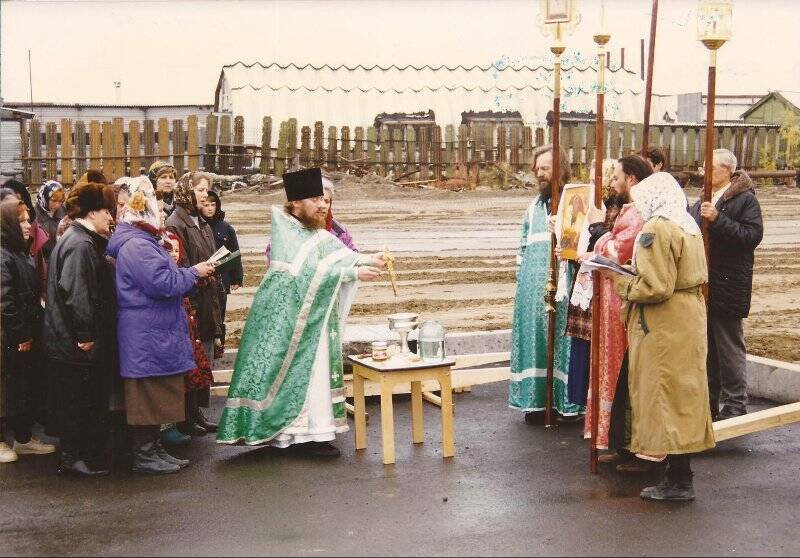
[
  {"x": 80, "y": 148},
  {"x": 305, "y": 146},
  {"x": 319, "y": 144},
  {"x": 118, "y": 139},
  {"x": 224, "y": 144},
  {"x": 210, "y": 158},
  {"x": 178, "y": 142},
  {"x": 239, "y": 160},
  {"x": 163, "y": 140},
  {"x": 67, "y": 177},
  {"x": 193, "y": 143},
  {"x": 134, "y": 148},
  {"x": 149, "y": 143},
  {"x": 331, "y": 162},
  {"x": 436, "y": 152},
  {"x": 280, "y": 159},
  {"x": 358, "y": 150},
  {"x": 266, "y": 145},
  {"x": 51, "y": 152},
  {"x": 385, "y": 151},
  {"x": 449, "y": 153},
  {"x": 372, "y": 143}
]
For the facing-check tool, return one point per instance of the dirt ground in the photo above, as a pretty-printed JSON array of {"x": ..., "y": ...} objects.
[{"x": 455, "y": 255}]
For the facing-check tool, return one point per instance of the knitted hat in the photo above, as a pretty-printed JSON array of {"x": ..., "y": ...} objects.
[{"x": 157, "y": 169}]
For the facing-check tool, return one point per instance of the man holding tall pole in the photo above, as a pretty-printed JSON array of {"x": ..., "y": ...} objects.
[{"x": 539, "y": 348}]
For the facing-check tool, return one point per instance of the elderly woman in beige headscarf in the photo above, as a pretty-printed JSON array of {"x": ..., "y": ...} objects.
[{"x": 666, "y": 322}]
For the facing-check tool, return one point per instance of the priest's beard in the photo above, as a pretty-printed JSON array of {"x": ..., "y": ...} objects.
[
  {"x": 313, "y": 221},
  {"x": 545, "y": 188}
]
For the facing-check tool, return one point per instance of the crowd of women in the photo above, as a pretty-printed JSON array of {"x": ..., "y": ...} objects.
[{"x": 112, "y": 316}]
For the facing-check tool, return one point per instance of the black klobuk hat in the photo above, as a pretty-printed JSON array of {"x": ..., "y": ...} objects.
[{"x": 303, "y": 184}]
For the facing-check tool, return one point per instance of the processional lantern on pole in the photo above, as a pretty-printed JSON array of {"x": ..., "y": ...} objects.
[
  {"x": 601, "y": 38},
  {"x": 714, "y": 23},
  {"x": 557, "y": 19}
]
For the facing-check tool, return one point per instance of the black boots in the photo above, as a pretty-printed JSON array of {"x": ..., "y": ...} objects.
[
  {"x": 677, "y": 484},
  {"x": 72, "y": 464},
  {"x": 203, "y": 422}
]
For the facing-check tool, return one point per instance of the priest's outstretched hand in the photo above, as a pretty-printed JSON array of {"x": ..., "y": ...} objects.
[
  {"x": 378, "y": 261},
  {"x": 368, "y": 273}
]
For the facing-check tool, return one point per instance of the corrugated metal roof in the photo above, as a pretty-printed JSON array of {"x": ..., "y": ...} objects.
[
  {"x": 354, "y": 95},
  {"x": 85, "y": 106}
]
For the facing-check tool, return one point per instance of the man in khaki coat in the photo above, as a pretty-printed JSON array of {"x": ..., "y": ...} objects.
[{"x": 666, "y": 323}]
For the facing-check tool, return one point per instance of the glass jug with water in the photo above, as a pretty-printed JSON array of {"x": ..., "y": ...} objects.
[{"x": 431, "y": 341}]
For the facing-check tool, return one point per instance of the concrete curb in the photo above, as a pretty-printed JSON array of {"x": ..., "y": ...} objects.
[{"x": 766, "y": 378}]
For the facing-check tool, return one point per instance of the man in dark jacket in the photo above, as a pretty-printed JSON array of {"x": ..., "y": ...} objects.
[
  {"x": 80, "y": 319},
  {"x": 735, "y": 229}
]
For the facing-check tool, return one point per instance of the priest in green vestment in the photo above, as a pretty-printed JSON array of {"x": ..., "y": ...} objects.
[
  {"x": 528, "y": 381},
  {"x": 287, "y": 386}
]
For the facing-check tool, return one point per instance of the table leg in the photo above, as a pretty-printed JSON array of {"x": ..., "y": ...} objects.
[
  {"x": 448, "y": 444},
  {"x": 360, "y": 411},
  {"x": 417, "y": 424},
  {"x": 387, "y": 422}
]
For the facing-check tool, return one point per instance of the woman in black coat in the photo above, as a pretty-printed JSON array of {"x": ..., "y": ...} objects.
[{"x": 21, "y": 332}]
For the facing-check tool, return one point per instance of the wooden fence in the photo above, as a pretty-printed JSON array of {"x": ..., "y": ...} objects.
[{"x": 64, "y": 151}]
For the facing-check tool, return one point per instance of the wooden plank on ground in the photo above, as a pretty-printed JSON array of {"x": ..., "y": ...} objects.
[{"x": 756, "y": 422}]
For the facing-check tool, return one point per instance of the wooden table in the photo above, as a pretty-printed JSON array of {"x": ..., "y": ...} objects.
[{"x": 398, "y": 369}]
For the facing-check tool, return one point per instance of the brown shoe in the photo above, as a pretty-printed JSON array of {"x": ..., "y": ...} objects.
[{"x": 637, "y": 465}]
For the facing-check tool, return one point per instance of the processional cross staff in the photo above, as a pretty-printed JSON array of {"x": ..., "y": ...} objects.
[
  {"x": 601, "y": 38},
  {"x": 713, "y": 30},
  {"x": 558, "y": 18}
]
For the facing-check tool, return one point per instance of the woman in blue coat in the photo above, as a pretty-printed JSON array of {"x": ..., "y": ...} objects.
[{"x": 152, "y": 330}]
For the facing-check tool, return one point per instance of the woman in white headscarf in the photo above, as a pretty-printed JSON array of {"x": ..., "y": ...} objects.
[
  {"x": 152, "y": 327},
  {"x": 666, "y": 326}
]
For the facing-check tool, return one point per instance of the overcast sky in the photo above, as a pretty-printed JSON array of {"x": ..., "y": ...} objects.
[{"x": 172, "y": 51}]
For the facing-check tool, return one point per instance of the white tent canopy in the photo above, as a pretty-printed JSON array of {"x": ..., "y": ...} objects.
[{"x": 355, "y": 95}]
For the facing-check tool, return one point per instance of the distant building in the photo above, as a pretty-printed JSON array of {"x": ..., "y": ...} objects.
[
  {"x": 54, "y": 112},
  {"x": 10, "y": 136},
  {"x": 692, "y": 107},
  {"x": 356, "y": 95},
  {"x": 771, "y": 108}
]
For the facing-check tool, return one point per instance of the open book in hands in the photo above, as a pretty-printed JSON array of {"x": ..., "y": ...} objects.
[
  {"x": 601, "y": 262},
  {"x": 223, "y": 259}
]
